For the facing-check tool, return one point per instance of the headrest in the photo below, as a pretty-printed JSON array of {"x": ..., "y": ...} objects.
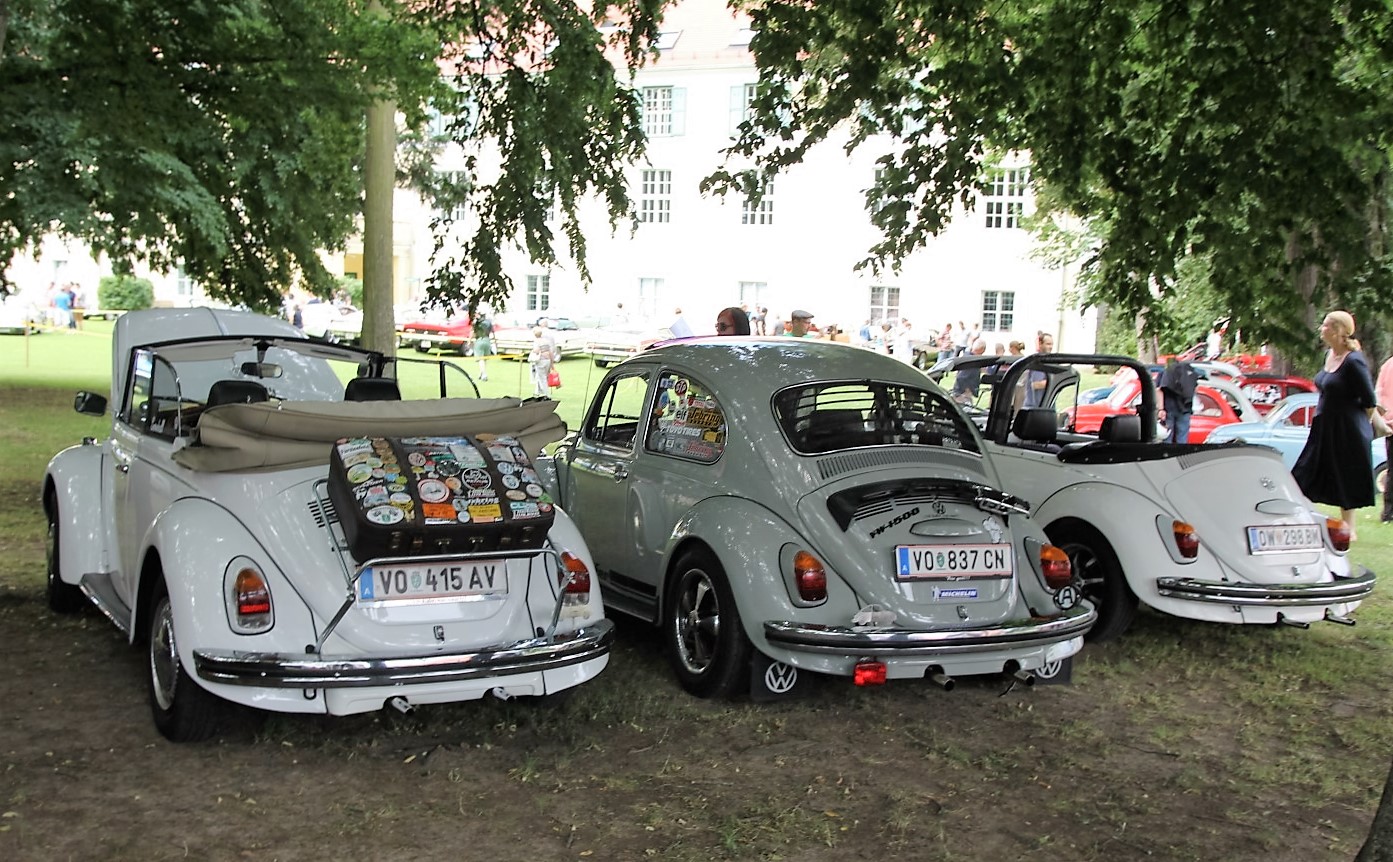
[
  {"x": 1037, "y": 424},
  {"x": 1120, "y": 428},
  {"x": 236, "y": 392},
  {"x": 372, "y": 389}
]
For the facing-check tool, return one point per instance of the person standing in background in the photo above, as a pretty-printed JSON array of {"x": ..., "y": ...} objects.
[
  {"x": 481, "y": 328},
  {"x": 903, "y": 348},
  {"x": 799, "y": 323},
  {"x": 1036, "y": 380},
  {"x": 1334, "y": 467},
  {"x": 757, "y": 322},
  {"x": 732, "y": 321},
  {"x": 960, "y": 339},
  {"x": 1383, "y": 391},
  {"x": 1214, "y": 342},
  {"x": 776, "y": 326},
  {"x": 1178, "y": 383},
  {"x": 541, "y": 360}
]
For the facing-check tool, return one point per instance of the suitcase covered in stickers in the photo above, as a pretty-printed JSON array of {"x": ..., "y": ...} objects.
[{"x": 412, "y": 496}]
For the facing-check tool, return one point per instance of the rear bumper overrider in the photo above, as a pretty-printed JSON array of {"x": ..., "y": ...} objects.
[
  {"x": 848, "y": 640},
  {"x": 286, "y": 670},
  {"x": 1350, "y": 589}
]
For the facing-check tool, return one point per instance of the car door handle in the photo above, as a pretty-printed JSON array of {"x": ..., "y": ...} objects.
[
  {"x": 123, "y": 468},
  {"x": 621, "y": 473}
]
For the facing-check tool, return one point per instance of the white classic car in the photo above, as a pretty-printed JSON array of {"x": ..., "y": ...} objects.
[
  {"x": 780, "y": 505},
  {"x": 204, "y": 528},
  {"x": 1217, "y": 533}
]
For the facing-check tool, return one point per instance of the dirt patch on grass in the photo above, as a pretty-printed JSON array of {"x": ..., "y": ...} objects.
[{"x": 1130, "y": 762}]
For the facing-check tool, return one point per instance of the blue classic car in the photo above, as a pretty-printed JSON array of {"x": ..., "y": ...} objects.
[{"x": 1285, "y": 429}]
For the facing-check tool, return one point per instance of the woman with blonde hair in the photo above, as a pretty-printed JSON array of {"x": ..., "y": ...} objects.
[{"x": 1334, "y": 466}]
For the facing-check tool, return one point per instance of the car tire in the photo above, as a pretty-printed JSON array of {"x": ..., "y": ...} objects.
[
  {"x": 1099, "y": 577},
  {"x": 63, "y": 597},
  {"x": 183, "y": 710},
  {"x": 706, "y": 642}
]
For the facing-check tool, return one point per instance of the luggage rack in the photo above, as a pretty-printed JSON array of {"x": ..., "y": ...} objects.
[{"x": 338, "y": 544}]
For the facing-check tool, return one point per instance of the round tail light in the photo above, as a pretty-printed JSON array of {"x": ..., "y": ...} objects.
[
  {"x": 1187, "y": 541},
  {"x": 810, "y": 577},
  {"x": 1055, "y": 567},
  {"x": 1339, "y": 533}
]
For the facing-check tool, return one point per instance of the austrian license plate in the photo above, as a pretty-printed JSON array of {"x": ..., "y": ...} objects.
[
  {"x": 1280, "y": 538},
  {"x": 425, "y": 344},
  {"x": 433, "y": 582},
  {"x": 913, "y": 562}
]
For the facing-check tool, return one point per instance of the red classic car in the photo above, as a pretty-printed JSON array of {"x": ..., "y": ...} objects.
[
  {"x": 1265, "y": 390},
  {"x": 437, "y": 330},
  {"x": 1217, "y": 402}
]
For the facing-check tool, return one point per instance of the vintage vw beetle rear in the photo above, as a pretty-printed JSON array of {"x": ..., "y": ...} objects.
[
  {"x": 203, "y": 528},
  {"x": 1210, "y": 532},
  {"x": 779, "y": 505}
]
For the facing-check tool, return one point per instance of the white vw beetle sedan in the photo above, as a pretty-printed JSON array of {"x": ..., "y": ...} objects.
[
  {"x": 780, "y": 505},
  {"x": 1216, "y": 533},
  {"x": 203, "y": 527}
]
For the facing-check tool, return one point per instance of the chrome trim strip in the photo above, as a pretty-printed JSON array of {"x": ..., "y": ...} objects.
[
  {"x": 899, "y": 642},
  {"x": 288, "y": 670},
  {"x": 1351, "y": 589}
]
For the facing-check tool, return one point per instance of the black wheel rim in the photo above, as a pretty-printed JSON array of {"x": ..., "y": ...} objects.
[{"x": 1089, "y": 573}]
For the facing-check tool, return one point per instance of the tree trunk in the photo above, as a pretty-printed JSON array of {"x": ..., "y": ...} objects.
[
  {"x": 1378, "y": 847},
  {"x": 379, "y": 181}
]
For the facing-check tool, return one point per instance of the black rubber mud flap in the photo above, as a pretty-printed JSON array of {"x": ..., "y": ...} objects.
[
  {"x": 773, "y": 680},
  {"x": 1059, "y": 672}
]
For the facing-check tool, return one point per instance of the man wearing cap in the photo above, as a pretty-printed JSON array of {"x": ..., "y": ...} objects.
[{"x": 798, "y": 326}]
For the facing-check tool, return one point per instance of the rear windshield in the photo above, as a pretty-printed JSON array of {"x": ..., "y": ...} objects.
[{"x": 825, "y": 417}]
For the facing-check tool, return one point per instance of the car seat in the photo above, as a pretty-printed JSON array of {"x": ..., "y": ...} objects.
[
  {"x": 372, "y": 389},
  {"x": 1120, "y": 428},
  {"x": 236, "y": 392}
]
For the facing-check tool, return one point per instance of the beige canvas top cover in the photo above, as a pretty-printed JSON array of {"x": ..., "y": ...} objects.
[{"x": 270, "y": 436}]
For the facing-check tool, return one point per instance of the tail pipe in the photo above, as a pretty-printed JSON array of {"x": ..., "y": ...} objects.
[
  {"x": 1331, "y": 616},
  {"x": 1020, "y": 675},
  {"x": 1296, "y": 624},
  {"x": 941, "y": 679}
]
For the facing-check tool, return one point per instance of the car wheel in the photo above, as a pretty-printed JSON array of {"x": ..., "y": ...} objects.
[
  {"x": 706, "y": 642},
  {"x": 184, "y": 711},
  {"x": 1381, "y": 480},
  {"x": 63, "y": 597},
  {"x": 1100, "y": 578},
  {"x": 921, "y": 361}
]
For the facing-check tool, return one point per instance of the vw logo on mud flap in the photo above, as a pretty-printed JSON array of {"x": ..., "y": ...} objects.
[
  {"x": 780, "y": 678},
  {"x": 1050, "y": 669},
  {"x": 1067, "y": 597}
]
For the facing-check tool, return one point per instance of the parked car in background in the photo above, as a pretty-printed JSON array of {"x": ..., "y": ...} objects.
[
  {"x": 332, "y": 321},
  {"x": 1216, "y": 402},
  {"x": 512, "y": 335},
  {"x": 610, "y": 346},
  {"x": 779, "y": 507},
  {"x": 206, "y": 528},
  {"x": 1285, "y": 429},
  {"x": 450, "y": 331},
  {"x": 20, "y": 314},
  {"x": 1266, "y": 390},
  {"x": 1215, "y": 533}
]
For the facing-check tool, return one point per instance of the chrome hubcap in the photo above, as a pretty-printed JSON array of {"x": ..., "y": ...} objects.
[
  {"x": 164, "y": 656},
  {"x": 698, "y": 623}
]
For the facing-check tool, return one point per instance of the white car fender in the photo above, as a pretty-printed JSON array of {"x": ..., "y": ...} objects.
[
  {"x": 196, "y": 540},
  {"x": 81, "y": 490},
  {"x": 747, "y": 539},
  {"x": 565, "y": 536}
]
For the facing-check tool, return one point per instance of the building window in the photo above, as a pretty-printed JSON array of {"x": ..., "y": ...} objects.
[
  {"x": 741, "y": 95},
  {"x": 655, "y": 196},
  {"x": 885, "y": 303},
  {"x": 538, "y": 292},
  {"x": 752, "y": 293},
  {"x": 667, "y": 40},
  {"x": 1005, "y": 197},
  {"x": 998, "y": 310},
  {"x": 454, "y": 186},
  {"x": 761, "y": 212},
  {"x": 664, "y": 111},
  {"x": 183, "y": 285},
  {"x": 649, "y": 295}
]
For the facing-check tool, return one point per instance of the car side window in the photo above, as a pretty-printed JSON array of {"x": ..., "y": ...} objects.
[
  {"x": 686, "y": 420},
  {"x": 616, "y": 415},
  {"x": 1207, "y": 406},
  {"x": 152, "y": 401}
]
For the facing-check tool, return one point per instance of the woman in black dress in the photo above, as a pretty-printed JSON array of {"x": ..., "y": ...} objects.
[{"x": 1334, "y": 466}]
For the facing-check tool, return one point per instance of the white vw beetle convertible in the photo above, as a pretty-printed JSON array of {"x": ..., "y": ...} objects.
[
  {"x": 783, "y": 505},
  {"x": 204, "y": 528},
  {"x": 1216, "y": 533}
]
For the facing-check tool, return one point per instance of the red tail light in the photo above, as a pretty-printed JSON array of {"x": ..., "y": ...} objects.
[
  {"x": 1339, "y": 533},
  {"x": 1187, "y": 542},
  {"x": 869, "y": 673},
  {"x": 253, "y": 596},
  {"x": 1055, "y": 566},
  {"x": 810, "y": 576},
  {"x": 574, "y": 579}
]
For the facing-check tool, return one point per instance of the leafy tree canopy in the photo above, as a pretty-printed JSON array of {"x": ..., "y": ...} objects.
[{"x": 1250, "y": 134}]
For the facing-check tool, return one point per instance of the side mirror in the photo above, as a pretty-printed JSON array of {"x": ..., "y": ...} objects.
[{"x": 90, "y": 403}]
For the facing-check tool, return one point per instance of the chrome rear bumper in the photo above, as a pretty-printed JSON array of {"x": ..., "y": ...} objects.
[
  {"x": 286, "y": 670},
  {"x": 1350, "y": 589},
  {"x": 900, "y": 642}
]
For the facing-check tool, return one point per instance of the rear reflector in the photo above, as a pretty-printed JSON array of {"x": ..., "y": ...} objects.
[
  {"x": 1187, "y": 542},
  {"x": 1055, "y": 566},
  {"x": 253, "y": 596},
  {"x": 574, "y": 578},
  {"x": 869, "y": 673},
  {"x": 1339, "y": 533},
  {"x": 810, "y": 576}
]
